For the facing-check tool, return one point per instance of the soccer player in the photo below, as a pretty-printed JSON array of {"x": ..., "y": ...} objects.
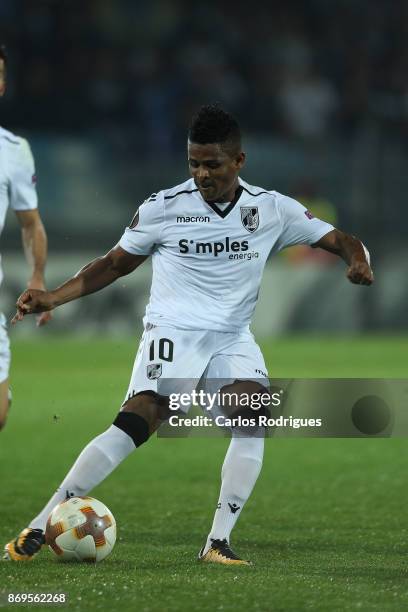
[
  {"x": 17, "y": 189},
  {"x": 209, "y": 239}
]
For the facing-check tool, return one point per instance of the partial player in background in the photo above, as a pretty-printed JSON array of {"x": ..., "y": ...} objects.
[
  {"x": 209, "y": 239},
  {"x": 17, "y": 189}
]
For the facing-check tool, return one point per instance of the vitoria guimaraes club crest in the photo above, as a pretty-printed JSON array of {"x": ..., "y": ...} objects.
[
  {"x": 250, "y": 218},
  {"x": 154, "y": 371}
]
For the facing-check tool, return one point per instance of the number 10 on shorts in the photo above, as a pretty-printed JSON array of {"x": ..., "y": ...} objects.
[{"x": 165, "y": 350}]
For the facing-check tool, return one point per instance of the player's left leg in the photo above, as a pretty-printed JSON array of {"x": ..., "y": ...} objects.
[
  {"x": 239, "y": 360},
  {"x": 239, "y": 473}
]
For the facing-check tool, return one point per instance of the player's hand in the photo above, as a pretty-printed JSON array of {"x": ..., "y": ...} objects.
[
  {"x": 32, "y": 301},
  {"x": 37, "y": 282},
  {"x": 360, "y": 273},
  {"x": 43, "y": 318}
]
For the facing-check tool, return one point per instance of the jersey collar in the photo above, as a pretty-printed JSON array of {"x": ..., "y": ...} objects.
[{"x": 223, "y": 213}]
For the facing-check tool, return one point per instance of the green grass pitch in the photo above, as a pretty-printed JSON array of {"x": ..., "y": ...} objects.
[{"x": 326, "y": 526}]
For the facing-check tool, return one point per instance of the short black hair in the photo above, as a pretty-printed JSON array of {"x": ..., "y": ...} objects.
[{"x": 211, "y": 124}]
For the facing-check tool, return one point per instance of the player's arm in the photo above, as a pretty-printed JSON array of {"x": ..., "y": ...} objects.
[
  {"x": 93, "y": 277},
  {"x": 34, "y": 241},
  {"x": 353, "y": 252},
  {"x": 23, "y": 200}
]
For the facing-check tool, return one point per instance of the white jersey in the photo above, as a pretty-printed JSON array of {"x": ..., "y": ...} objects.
[
  {"x": 17, "y": 176},
  {"x": 208, "y": 262}
]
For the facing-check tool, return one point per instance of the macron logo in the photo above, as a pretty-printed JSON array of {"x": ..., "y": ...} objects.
[{"x": 199, "y": 219}]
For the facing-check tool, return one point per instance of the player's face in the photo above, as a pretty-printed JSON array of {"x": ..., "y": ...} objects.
[
  {"x": 2, "y": 77},
  {"x": 215, "y": 171}
]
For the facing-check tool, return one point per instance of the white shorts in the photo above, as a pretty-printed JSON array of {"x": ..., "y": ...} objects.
[
  {"x": 4, "y": 349},
  {"x": 175, "y": 361}
]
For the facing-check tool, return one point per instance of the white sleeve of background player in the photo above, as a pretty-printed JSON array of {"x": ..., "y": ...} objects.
[
  {"x": 23, "y": 193},
  {"x": 298, "y": 225},
  {"x": 367, "y": 254},
  {"x": 145, "y": 230}
]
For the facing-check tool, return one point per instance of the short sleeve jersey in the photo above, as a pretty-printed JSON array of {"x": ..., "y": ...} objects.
[
  {"x": 208, "y": 262},
  {"x": 17, "y": 176}
]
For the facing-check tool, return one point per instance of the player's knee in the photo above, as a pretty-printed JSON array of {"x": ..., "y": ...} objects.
[
  {"x": 257, "y": 415},
  {"x": 249, "y": 423},
  {"x": 141, "y": 415},
  {"x": 134, "y": 425},
  {"x": 247, "y": 404}
]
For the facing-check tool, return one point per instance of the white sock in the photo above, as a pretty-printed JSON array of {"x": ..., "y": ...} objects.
[
  {"x": 239, "y": 474},
  {"x": 98, "y": 459}
]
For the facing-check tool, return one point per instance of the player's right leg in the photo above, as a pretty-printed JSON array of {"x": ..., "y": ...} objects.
[
  {"x": 139, "y": 418},
  {"x": 4, "y": 402},
  {"x": 162, "y": 353},
  {"x": 4, "y": 372}
]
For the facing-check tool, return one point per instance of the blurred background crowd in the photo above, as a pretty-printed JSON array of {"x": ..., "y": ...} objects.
[
  {"x": 104, "y": 90},
  {"x": 301, "y": 69},
  {"x": 321, "y": 88}
]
